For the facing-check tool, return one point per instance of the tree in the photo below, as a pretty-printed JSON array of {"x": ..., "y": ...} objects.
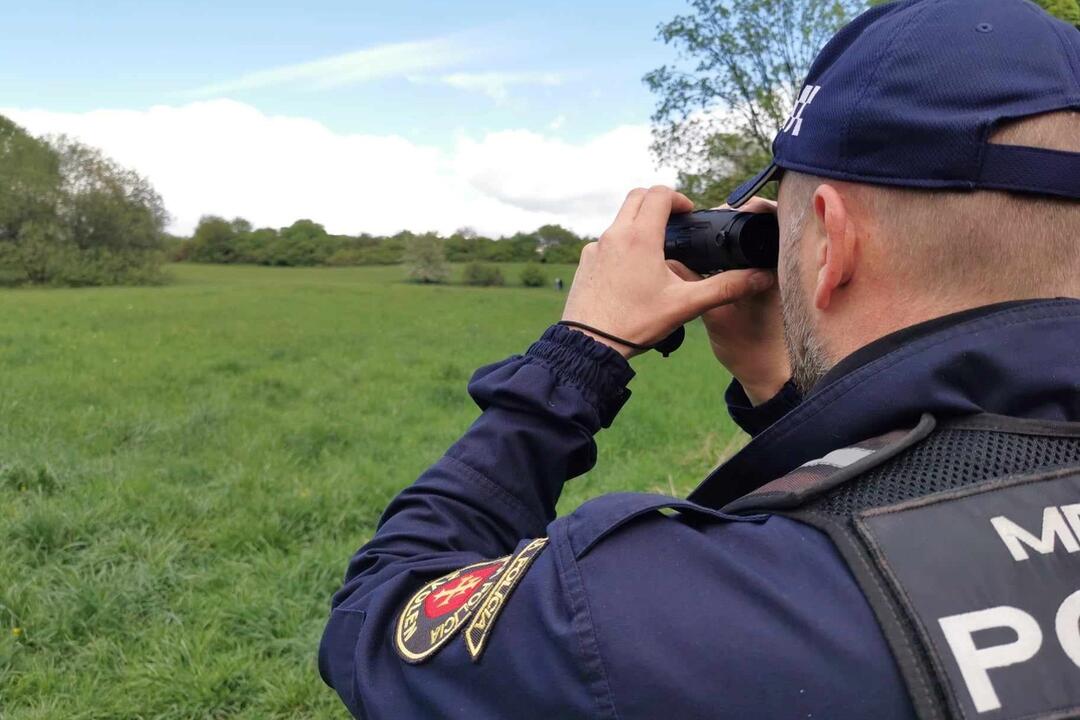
[
  {"x": 305, "y": 242},
  {"x": 241, "y": 226},
  {"x": 70, "y": 215},
  {"x": 106, "y": 206},
  {"x": 42, "y": 250},
  {"x": 30, "y": 179},
  {"x": 426, "y": 258},
  {"x": 461, "y": 247},
  {"x": 564, "y": 252},
  {"x": 504, "y": 250},
  {"x": 549, "y": 235},
  {"x": 113, "y": 220},
  {"x": 254, "y": 246},
  {"x": 30, "y": 189},
  {"x": 214, "y": 241},
  {"x": 558, "y": 245},
  {"x": 742, "y": 64}
]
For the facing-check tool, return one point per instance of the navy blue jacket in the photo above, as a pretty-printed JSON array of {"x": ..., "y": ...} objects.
[{"x": 631, "y": 613}]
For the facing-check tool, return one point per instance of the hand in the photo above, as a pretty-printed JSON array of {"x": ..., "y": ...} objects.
[
  {"x": 624, "y": 286},
  {"x": 747, "y": 335}
]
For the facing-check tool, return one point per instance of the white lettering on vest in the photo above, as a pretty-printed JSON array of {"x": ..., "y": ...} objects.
[
  {"x": 1054, "y": 528},
  {"x": 1067, "y": 625},
  {"x": 974, "y": 662}
]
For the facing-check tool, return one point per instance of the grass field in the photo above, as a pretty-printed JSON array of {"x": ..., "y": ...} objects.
[{"x": 185, "y": 470}]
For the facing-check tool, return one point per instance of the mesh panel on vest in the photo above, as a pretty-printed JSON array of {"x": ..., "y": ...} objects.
[{"x": 949, "y": 458}]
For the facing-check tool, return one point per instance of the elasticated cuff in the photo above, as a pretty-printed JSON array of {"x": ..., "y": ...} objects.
[
  {"x": 597, "y": 371},
  {"x": 754, "y": 419}
]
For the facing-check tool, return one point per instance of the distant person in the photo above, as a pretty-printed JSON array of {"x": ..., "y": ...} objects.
[
  {"x": 900, "y": 537},
  {"x": 559, "y": 284}
]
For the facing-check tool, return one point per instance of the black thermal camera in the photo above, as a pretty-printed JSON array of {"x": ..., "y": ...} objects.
[{"x": 710, "y": 241}]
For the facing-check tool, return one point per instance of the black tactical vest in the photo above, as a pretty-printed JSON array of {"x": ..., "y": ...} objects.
[{"x": 965, "y": 538}]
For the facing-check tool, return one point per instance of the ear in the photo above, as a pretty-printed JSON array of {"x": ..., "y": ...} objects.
[{"x": 836, "y": 243}]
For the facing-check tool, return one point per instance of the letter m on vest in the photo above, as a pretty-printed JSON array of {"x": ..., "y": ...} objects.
[{"x": 1056, "y": 525}]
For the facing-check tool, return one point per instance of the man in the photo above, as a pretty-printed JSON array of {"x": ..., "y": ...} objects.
[{"x": 898, "y": 539}]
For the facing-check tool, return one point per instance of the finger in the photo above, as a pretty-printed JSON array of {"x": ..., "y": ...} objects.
[
  {"x": 681, "y": 204},
  {"x": 754, "y": 205},
  {"x": 682, "y": 271},
  {"x": 759, "y": 205},
  {"x": 656, "y": 208},
  {"x": 725, "y": 288},
  {"x": 630, "y": 207}
]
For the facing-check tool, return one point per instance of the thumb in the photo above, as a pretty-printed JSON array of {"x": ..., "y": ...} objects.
[{"x": 726, "y": 287}]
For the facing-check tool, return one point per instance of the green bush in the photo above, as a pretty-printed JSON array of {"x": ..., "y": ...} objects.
[
  {"x": 533, "y": 276},
  {"x": 483, "y": 275},
  {"x": 102, "y": 266},
  {"x": 426, "y": 259}
]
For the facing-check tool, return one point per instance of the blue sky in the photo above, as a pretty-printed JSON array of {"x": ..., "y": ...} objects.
[
  {"x": 474, "y": 89},
  {"x": 581, "y": 61}
]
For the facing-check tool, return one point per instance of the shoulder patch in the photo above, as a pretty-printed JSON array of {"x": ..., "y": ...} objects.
[
  {"x": 439, "y": 609},
  {"x": 476, "y": 635}
]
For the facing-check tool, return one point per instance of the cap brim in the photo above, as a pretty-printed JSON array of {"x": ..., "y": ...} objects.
[{"x": 751, "y": 187}]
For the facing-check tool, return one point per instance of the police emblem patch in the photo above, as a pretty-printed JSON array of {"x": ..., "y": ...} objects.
[
  {"x": 439, "y": 609},
  {"x": 483, "y": 621}
]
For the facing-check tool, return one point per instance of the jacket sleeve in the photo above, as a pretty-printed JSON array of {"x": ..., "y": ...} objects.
[{"x": 495, "y": 487}]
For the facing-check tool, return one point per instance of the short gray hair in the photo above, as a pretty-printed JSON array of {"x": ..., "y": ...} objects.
[{"x": 985, "y": 244}]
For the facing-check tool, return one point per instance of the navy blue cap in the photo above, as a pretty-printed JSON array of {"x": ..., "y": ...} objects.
[{"x": 909, "y": 93}]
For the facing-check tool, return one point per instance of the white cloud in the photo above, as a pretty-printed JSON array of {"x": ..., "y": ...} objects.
[
  {"x": 381, "y": 61},
  {"x": 540, "y": 174},
  {"x": 496, "y": 85},
  {"x": 225, "y": 157}
]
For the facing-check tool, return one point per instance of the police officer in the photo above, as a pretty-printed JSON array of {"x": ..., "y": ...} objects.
[{"x": 900, "y": 538}]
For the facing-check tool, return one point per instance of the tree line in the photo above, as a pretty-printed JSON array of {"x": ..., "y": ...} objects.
[
  {"x": 71, "y": 216},
  {"x": 307, "y": 243}
]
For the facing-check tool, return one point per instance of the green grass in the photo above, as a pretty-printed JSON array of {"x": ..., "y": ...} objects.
[{"x": 185, "y": 470}]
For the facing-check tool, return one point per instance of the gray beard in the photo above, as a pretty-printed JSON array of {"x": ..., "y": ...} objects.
[{"x": 809, "y": 361}]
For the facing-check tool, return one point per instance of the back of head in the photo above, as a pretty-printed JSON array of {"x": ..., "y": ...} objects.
[
  {"x": 963, "y": 248},
  {"x": 986, "y": 245},
  {"x": 931, "y": 164},
  {"x": 924, "y": 253}
]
